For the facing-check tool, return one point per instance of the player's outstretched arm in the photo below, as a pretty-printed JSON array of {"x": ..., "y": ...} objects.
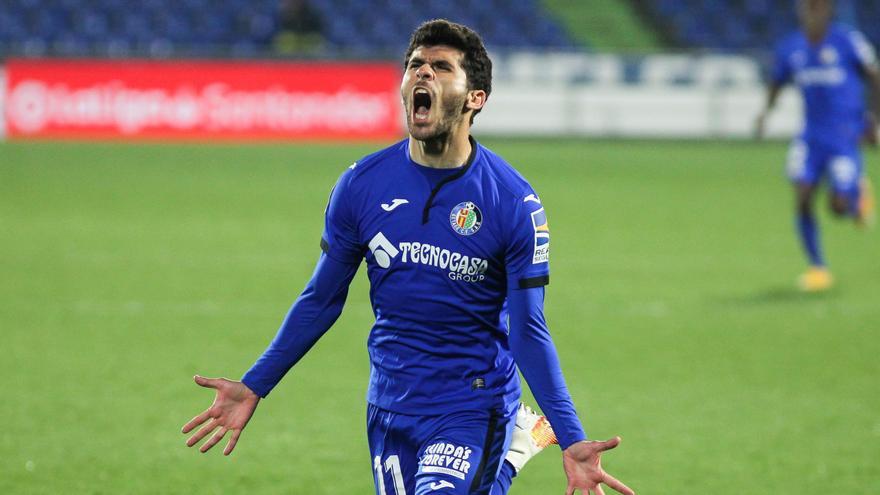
[
  {"x": 773, "y": 91},
  {"x": 536, "y": 357},
  {"x": 583, "y": 468},
  {"x": 308, "y": 319},
  {"x": 234, "y": 404},
  {"x": 872, "y": 132}
]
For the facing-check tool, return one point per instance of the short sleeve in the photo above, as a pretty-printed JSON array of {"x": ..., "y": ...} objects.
[
  {"x": 340, "y": 239},
  {"x": 527, "y": 258},
  {"x": 864, "y": 52},
  {"x": 781, "y": 71}
]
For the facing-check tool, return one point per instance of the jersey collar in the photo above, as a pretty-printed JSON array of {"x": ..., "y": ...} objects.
[{"x": 446, "y": 180}]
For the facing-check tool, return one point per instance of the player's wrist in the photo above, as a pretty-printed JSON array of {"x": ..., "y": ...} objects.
[
  {"x": 249, "y": 393},
  {"x": 254, "y": 387},
  {"x": 567, "y": 440}
]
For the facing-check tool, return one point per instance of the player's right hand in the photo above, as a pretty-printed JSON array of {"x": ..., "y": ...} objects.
[
  {"x": 233, "y": 406},
  {"x": 872, "y": 129},
  {"x": 583, "y": 468}
]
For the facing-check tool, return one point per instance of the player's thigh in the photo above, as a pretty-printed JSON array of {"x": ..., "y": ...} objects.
[
  {"x": 804, "y": 162},
  {"x": 393, "y": 451},
  {"x": 464, "y": 455}
]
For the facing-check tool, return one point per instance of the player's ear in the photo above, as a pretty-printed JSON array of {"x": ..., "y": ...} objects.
[{"x": 476, "y": 99}]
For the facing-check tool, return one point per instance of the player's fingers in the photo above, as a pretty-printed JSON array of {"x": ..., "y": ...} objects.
[
  {"x": 617, "y": 485},
  {"x": 214, "y": 439},
  {"x": 196, "y": 421},
  {"x": 598, "y": 490},
  {"x": 208, "y": 428},
  {"x": 207, "y": 382},
  {"x": 569, "y": 490},
  {"x": 609, "y": 444},
  {"x": 232, "y": 441}
]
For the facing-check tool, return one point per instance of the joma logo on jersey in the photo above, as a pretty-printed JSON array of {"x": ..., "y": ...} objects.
[{"x": 458, "y": 266}]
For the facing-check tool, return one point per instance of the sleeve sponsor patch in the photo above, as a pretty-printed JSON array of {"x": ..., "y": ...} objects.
[{"x": 542, "y": 237}]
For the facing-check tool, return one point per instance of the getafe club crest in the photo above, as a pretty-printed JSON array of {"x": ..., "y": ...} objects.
[{"x": 466, "y": 218}]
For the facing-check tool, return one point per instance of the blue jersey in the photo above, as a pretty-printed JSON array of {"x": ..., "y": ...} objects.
[
  {"x": 830, "y": 77},
  {"x": 441, "y": 253}
]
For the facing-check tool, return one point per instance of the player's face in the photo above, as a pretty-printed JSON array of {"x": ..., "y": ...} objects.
[
  {"x": 434, "y": 91},
  {"x": 815, "y": 15}
]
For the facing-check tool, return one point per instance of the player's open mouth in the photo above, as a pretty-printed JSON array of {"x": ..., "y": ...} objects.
[{"x": 421, "y": 104}]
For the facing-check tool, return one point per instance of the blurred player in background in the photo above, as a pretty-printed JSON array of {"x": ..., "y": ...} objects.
[
  {"x": 831, "y": 64},
  {"x": 457, "y": 248}
]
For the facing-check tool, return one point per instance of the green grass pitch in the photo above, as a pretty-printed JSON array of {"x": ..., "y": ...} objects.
[{"x": 128, "y": 268}]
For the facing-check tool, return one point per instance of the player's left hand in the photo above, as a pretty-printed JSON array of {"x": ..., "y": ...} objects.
[{"x": 584, "y": 469}]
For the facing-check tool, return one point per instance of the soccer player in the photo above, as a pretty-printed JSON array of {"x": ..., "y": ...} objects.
[
  {"x": 456, "y": 244},
  {"x": 830, "y": 63}
]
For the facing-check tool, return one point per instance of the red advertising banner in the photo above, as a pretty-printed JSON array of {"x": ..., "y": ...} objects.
[{"x": 202, "y": 100}]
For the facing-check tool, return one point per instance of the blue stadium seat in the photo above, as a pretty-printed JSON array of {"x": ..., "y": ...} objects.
[
  {"x": 92, "y": 25},
  {"x": 70, "y": 46},
  {"x": 48, "y": 24},
  {"x": 12, "y": 19},
  {"x": 176, "y": 26},
  {"x": 136, "y": 26}
]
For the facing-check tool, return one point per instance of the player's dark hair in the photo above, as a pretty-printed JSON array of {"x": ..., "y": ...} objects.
[
  {"x": 476, "y": 63},
  {"x": 797, "y": 3}
]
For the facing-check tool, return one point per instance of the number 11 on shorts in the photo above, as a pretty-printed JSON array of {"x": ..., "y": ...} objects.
[{"x": 392, "y": 464}]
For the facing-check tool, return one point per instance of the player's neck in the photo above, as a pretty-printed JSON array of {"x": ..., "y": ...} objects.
[
  {"x": 816, "y": 34},
  {"x": 446, "y": 151}
]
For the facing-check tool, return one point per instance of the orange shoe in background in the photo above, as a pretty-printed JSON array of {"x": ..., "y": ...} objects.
[
  {"x": 867, "y": 204},
  {"x": 816, "y": 279}
]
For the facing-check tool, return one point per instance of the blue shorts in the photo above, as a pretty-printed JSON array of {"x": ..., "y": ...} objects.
[
  {"x": 457, "y": 453},
  {"x": 810, "y": 161}
]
